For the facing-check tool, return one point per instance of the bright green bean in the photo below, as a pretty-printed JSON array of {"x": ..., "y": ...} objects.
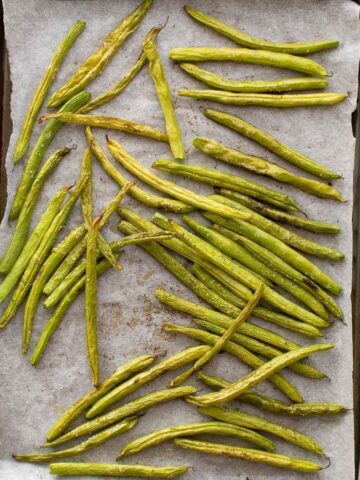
[
  {"x": 190, "y": 429},
  {"x": 22, "y": 144},
  {"x": 109, "y": 470},
  {"x": 23, "y": 224},
  {"x": 271, "y": 143},
  {"x": 97, "y": 61},
  {"x": 38, "y": 152},
  {"x": 297, "y": 48}
]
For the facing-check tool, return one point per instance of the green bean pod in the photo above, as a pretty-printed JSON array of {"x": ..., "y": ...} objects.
[
  {"x": 191, "y": 429},
  {"x": 38, "y": 152},
  {"x": 22, "y": 144},
  {"x": 314, "y": 226},
  {"x": 247, "y": 55},
  {"x": 257, "y": 135},
  {"x": 119, "y": 375},
  {"x": 241, "y": 353},
  {"x": 183, "y": 194},
  {"x": 97, "y": 61},
  {"x": 246, "y": 383},
  {"x": 253, "y": 86},
  {"x": 125, "y": 410},
  {"x": 32, "y": 244},
  {"x": 82, "y": 447},
  {"x": 252, "y": 455},
  {"x": 263, "y": 167},
  {"x": 109, "y": 470},
  {"x": 246, "y": 420},
  {"x": 297, "y": 48},
  {"x": 162, "y": 87},
  {"x": 23, "y": 224},
  {"x": 274, "y": 405},
  {"x": 87, "y": 193}
]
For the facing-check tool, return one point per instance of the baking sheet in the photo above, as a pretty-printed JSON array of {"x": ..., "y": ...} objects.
[{"x": 130, "y": 318}]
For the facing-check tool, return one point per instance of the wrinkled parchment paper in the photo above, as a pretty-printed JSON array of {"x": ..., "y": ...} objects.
[{"x": 130, "y": 318}]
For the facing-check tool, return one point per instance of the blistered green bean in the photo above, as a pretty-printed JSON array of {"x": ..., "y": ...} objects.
[{"x": 109, "y": 470}]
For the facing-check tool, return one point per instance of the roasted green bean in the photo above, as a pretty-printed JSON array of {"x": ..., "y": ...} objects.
[
  {"x": 97, "y": 61},
  {"x": 297, "y": 48},
  {"x": 109, "y": 470},
  {"x": 271, "y": 143},
  {"x": 87, "y": 194},
  {"x": 38, "y": 152},
  {"x": 22, "y": 144}
]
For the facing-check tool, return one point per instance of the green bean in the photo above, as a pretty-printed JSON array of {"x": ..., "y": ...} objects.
[
  {"x": 38, "y": 152},
  {"x": 32, "y": 244},
  {"x": 270, "y": 242},
  {"x": 133, "y": 384},
  {"x": 22, "y": 144},
  {"x": 119, "y": 375},
  {"x": 105, "y": 248},
  {"x": 265, "y": 99},
  {"x": 221, "y": 341},
  {"x": 246, "y": 420},
  {"x": 297, "y": 48},
  {"x": 113, "y": 123},
  {"x": 125, "y": 410},
  {"x": 165, "y": 186},
  {"x": 253, "y": 86},
  {"x": 238, "y": 351},
  {"x": 82, "y": 447},
  {"x": 87, "y": 194},
  {"x": 190, "y": 429},
  {"x": 97, "y": 61},
  {"x": 262, "y": 349},
  {"x": 274, "y": 405},
  {"x": 41, "y": 253},
  {"x": 222, "y": 320},
  {"x": 271, "y": 143},
  {"x": 91, "y": 302},
  {"x": 167, "y": 204},
  {"x": 247, "y": 55},
  {"x": 23, "y": 224},
  {"x": 223, "y": 179},
  {"x": 263, "y": 372},
  {"x": 231, "y": 248},
  {"x": 109, "y": 470},
  {"x": 252, "y": 455},
  {"x": 207, "y": 278},
  {"x": 280, "y": 265},
  {"x": 47, "y": 268},
  {"x": 314, "y": 226},
  {"x": 157, "y": 73},
  {"x": 263, "y": 167}
]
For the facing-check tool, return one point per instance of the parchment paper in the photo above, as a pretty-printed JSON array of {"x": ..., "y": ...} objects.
[{"x": 130, "y": 318}]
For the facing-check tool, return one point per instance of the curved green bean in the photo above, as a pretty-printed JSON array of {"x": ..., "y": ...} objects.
[
  {"x": 244, "y": 384},
  {"x": 297, "y": 48},
  {"x": 125, "y": 410},
  {"x": 172, "y": 363},
  {"x": 190, "y": 429},
  {"x": 264, "y": 167},
  {"x": 246, "y": 420},
  {"x": 32, "y": 244},
  {"x": 22, "y": 144},
  {"x": 247, "y": 55},
  {"x": 23, "y": 224},
  {"x": 238, "y": 351},
  {"x": 271, "y": 143},
  {"x": 82, "y": 447},
  {"x": 314, "y": 226},
  {"x": 38, "y": 152},
  {"x": 253, "y": 86},
  {"x": 183, "y": 194},
  {"x": 109, "y": 470},
  {"x": 97, "y": 61},
  {"x": 252, "y": 455},
  {"x": 157, "y": 73},
  {"x": 119, "y": 375}
]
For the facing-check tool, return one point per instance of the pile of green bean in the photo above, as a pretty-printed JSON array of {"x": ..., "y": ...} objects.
[{"x": 244, "y": 264}]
